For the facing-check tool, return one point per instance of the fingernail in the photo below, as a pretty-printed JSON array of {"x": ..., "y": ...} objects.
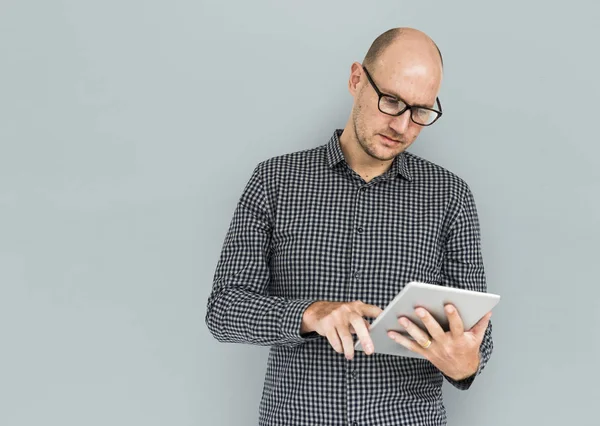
[
  {"x": 421, "y": 312},
  {"x": 391, "y": 335},
  {"x": 404, "y": 322},
  {"x": 449, "y": 309},
  {"x": 368, "y": 348}
]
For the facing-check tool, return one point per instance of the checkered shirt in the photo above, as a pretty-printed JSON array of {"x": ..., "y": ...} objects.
[{"x": 306, "y": 228}]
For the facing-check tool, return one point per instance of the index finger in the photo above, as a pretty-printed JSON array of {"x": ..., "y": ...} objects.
[{"x": 363, "y": 333}]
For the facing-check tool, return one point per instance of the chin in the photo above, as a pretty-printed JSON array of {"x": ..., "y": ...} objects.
[{"x": 384, "y": 153}]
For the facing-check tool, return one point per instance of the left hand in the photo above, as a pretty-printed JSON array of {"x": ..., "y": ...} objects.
[{"x": 456, "y": 352}]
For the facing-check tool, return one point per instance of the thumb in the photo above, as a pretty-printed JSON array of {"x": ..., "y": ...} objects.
[
  {"x": 371, "y": 311},
  {"x": 479, "y": 329}
]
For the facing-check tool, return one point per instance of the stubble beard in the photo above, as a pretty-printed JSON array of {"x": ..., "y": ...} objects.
[{"x": 359, "y": 131}]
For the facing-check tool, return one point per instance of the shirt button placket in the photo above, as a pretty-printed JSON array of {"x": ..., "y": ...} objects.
[{"x": 352, "y": 370}]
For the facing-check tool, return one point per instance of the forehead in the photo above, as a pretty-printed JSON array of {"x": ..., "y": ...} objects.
[
  {"x": 410, "y": 69},
  {"x": 415, "y": 83}
]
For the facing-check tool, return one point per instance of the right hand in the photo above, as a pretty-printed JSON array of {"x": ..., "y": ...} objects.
[{"x": 336, "y": 320}]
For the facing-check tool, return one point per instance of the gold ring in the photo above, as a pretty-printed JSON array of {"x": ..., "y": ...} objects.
[{"x": 426, "y": 345}]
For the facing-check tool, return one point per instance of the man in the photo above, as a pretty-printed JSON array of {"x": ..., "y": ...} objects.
[{"x": 323, "y": 238}]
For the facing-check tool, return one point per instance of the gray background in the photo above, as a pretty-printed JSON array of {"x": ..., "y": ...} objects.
[{"x": 129, "y": 129}]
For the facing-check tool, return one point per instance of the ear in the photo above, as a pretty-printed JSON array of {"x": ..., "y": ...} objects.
[{"x": 357, "y": 76}]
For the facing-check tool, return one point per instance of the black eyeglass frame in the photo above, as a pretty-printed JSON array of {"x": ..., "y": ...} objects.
[{"x": 438, "y": 111}]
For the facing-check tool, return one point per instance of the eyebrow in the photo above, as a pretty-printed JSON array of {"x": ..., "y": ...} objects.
[
  {"x": 400, "y": 98},
  {"x": 395, "y": 95}
]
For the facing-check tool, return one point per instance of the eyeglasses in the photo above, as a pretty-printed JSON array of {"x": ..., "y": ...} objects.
[{"x": 394, "y": 106}]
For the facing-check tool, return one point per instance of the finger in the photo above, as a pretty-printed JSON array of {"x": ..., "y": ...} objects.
[
  {"x": 363, "y": 333},
  {"x": 415, "y": 332},
  {"x": 433, "y": 327},
  {"x": 457, "y": 327},
  {"x": 406, "y": 342},
  {"x": 479, "y": 329},
  {"x": 347, "y": 341},
  {"x": 370, "y": 311},
  {"x": 367, "y": 324},
  {"x": 334, "y": 341}
]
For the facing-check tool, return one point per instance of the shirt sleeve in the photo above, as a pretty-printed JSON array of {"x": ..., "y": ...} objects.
[
  {"x": 240, "y": 308},
  {"x": 463, "y": 268}
]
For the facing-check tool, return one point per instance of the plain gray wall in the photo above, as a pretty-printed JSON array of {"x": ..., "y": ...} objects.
[{"x": 129, "y": 129}]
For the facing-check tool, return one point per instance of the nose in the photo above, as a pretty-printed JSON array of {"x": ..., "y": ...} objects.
[{"x": 400, "y": 124}]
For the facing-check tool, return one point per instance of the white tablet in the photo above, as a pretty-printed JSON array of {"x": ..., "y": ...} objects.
[{"x": 471, "y": 306}]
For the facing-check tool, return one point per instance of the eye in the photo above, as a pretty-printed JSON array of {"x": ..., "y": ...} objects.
[
  {"x": 392, "y": 104},
  {"x": 423, "y": 113}
]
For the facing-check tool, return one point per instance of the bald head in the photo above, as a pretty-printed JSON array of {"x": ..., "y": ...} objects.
[
  {"x": 408, "y": 36},
  {"x": 402, "y": 67}
]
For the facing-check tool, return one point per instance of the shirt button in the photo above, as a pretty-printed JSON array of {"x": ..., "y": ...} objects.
[
  {"x": 357, "y": 274},
  {"x": 359, "y": 229},
  {"x": 355, "y": 423}
]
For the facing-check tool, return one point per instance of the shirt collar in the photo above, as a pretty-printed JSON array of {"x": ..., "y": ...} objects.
[{"x": 335, "y": 155}]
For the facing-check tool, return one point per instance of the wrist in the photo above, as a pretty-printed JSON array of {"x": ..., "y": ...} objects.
[{"x": 474, "y": 368}]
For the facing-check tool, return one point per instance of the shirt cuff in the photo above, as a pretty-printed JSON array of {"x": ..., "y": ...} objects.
[{"x": 291, "y": 322}]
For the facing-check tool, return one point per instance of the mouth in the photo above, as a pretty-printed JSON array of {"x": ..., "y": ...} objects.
[{"x": 390, "y": 141}]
